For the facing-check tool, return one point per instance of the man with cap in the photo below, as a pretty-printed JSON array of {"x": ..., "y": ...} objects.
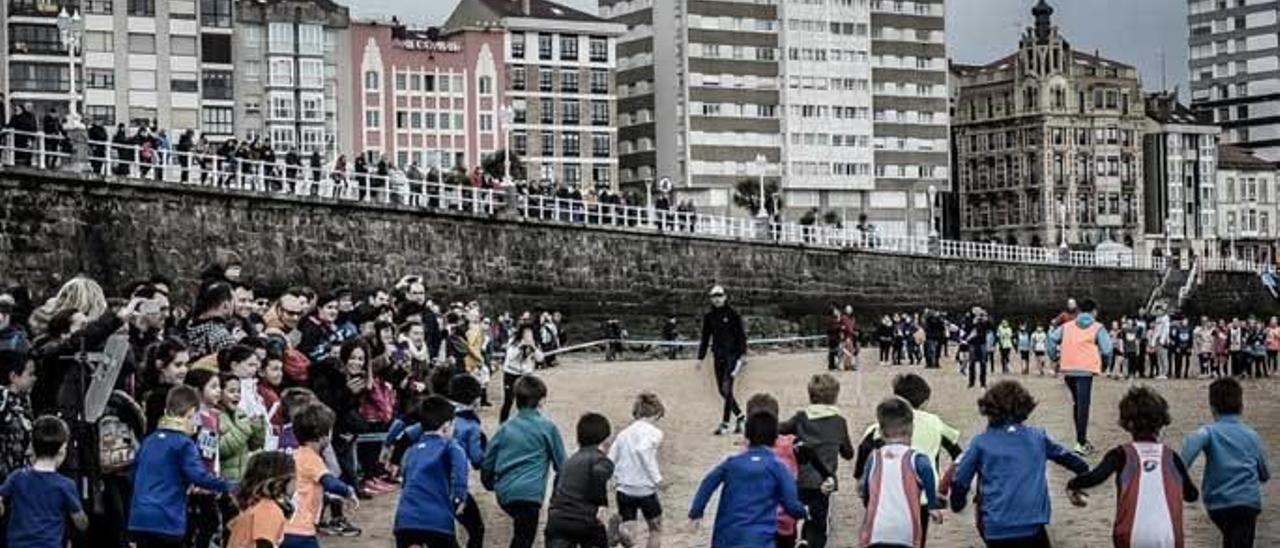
[{"x": 723, "y": 332}]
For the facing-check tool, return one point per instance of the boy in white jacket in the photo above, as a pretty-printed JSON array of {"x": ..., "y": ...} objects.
[{"x": 635, "y": 458}]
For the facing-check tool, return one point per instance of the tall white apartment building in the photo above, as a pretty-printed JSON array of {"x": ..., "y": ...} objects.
[{"x": 1235, "y": 70}]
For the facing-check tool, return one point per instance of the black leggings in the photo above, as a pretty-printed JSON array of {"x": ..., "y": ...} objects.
[
  {"x": 724, "y": 384},
  {"x": 1038, "y": 540},
  {"x": 1237, "y": 524},
  {"x": 472, "y": 522},
  {"x": 524, "y": 528},
  {"x": 508, "y": 398},
  {"x": 424, "y": 539}
]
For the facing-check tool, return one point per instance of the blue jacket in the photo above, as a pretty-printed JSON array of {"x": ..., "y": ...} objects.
[
  {"x": 755, "y": 483},
  {"x": 1235, "y": 463},
  {"x": 467, "y": 433},
  {"x": 1084, "y": 320},
  {"x": 1009, "y": 461},
  {"x": 435, "y": 484},
  {"x": 167, "y": 464},
  {"x": 515, "y": 465}
]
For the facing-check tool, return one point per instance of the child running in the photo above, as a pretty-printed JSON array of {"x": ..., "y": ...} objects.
[
  {"x": 265, "y": 497},
  {"x": 38, "y": 500},
  {"x": 515, "y": 465},
  {"x": 580, "y": 504},
  {"x": 634, "y": 454},
  {"x": 785, "y": 449},
  {"x": 754, "y": 484},
  {"x": 896, "y": 477},
  {"x": 820, "y": 428},
  {"x": 435, "y": 481},
  {"x": 1151, "y": 481},
  {"x": 312, "y": 426},
  {"x": 1235, "y": 465},
  {"x": 1009, "y": 462}
]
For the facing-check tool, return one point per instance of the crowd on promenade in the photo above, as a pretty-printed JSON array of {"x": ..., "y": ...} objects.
[{"x": 258, "y": 419}]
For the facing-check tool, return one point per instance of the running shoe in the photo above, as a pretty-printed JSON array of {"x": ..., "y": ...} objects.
[
  {"x": 343, "y": 528},
  {"x": 738, "y": 424},
  {"x": 1083, "y": 450},
  {"x": 722, "y": 429}
]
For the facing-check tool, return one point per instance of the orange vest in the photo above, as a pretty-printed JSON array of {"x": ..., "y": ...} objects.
[{"x": 1080, "y": 348}]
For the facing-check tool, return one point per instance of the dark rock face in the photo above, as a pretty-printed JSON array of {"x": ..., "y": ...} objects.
[
  {"x": 1231, "y": 294},
  {"x": 52, "y": 227}
]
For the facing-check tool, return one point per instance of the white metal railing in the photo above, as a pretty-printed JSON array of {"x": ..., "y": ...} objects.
[{"x": 114, "y": 161}]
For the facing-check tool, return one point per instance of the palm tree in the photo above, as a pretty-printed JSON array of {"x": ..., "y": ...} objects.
[
  {"x": 494, "y": 165},
  {"x": 746, "y": 195}
]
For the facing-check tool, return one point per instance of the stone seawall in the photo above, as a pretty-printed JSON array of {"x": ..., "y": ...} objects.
[{"x": 52, "y": 227}]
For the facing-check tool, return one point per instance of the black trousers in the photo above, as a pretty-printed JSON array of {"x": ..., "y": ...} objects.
[
  {"x": 472, "y": 522},
  {"x": 814, "y": 531},
  {"x": 1237, "y": 524},
  {"x": 524, "y": 516},
  {"x": 572, "y": 535},
  {"x": 204, "y": 521},
  {"x": 142, "y": 540},
  {"x": 1039, "y": 540},
  {"x": 977, "y": 366},
  {"x": 724, "y": 383},
  {"x": 424, "y": 539},
  {"x": 508, "y": 397}
]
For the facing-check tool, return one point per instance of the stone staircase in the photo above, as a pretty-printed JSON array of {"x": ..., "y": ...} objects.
[{"x": 1173, "y": 290}]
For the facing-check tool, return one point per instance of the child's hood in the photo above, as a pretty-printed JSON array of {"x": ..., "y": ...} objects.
[{"x": 819, "y": 411}]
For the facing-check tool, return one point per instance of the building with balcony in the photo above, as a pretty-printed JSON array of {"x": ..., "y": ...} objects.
[
  {"x": 1180, "y": 162},
  {"x": 1049, "y": 145},
  {"x": 559, "y": 65},
  {"x": 1248, "y": 203},
  {"x": 292, "y": 81},
  {"x": 426, "y": 97},
  {"x": 1235, "y": 70}
]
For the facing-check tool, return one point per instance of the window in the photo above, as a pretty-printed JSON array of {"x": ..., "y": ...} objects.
[
  {"x": 280, "y": 37},
  {"x": 217, "y": 120},
  {"x": 517, "y": 45},
  {"x": 184, "y": 9},
  {"x": 252, "y": 70},
  {"x": 570, "y": 113},
  {"x": 548, "y": 143},
  {"x": 142, "y": 80},
  {"x": 282, "y": 135},
  {"x": 572, "y": 174},
  {"x": 602, "y": 174},
  {"x": 218, "y": 85},
  {"x": 544, "y": 80},
  {"x": 99, "y": 114},
  {"x": 310, "y": 39},
  {"x": 520, "y": 142},
  {"x": 485, "y": 85},
  {"x": 486, "y": 122},
  {"x": 312, "y": 73},
  {"x": 281, "y": 72},
  {"x": 371, "y": 79},
  {"x": 215, "y": 13},
  {"x": 142, "y": 43},
  {"x": 100, "y": 7},
  {"x": 215, "y": 48},
  {"x": 373, "y": 119},
  {"x": 569, "y": 48},
  {"x": 443, "y": 83},
  {"x": 544, "y": 47},
  {"x": 182, "y": 46},
  {"x": 185, "y": 82},
  {"x": 547, "y": 113},
  {"x": 93, "y": 41},
  {"x": 281, "y": 107},
  {"x": 599, "y": 113},
  {"x": 600, "y": 145},
  {"x": 39, "y": 77},
  {"x": 100, "y": 79},
  {"x": 142, "y": 8},
  {"x": 569, "y": 147},
  {"x": 599, "y": 49},
  {"x": 517, "y": 79},
  {"x": 599, "y": 81},
  {"x": 139, "y": 116},
  {"x": 312, "y": 107},
  {"x": 569, "y": 81},
  {"x": 251, "y": 36}
]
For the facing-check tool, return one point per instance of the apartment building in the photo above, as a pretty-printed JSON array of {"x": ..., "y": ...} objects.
[
  {"x": 1180, "y": 161},
  {"x": 1235, "y": 70},
  {"x": 559, "y": 65},
  {"x": 1049, "y": 145},
  {"x": 1248, "y": 202},
  {"x": 292, "y": 82}
]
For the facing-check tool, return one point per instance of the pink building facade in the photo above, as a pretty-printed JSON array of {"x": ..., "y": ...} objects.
[{"x": 427, "y": 97}]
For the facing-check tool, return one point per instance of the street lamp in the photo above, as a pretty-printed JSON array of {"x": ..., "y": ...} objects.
[
  {"x": 1062, "y": 222},
  {"x": 1168, "y": 235},
  {"x": 933, "y": 226},
  {"x": 648, "y": 200},
  {"x": 760, "y": 162},
  {"x": 508, "y": 117},
  {"x": 71, "y": 29}
]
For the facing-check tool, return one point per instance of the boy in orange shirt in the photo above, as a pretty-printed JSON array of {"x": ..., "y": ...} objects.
[
  {"x": 265, "y": 498},
  {"x": 312, "y": 425}
]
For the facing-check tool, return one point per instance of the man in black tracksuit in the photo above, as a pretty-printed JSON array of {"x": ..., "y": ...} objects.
[{"x": 722, "y": 328}]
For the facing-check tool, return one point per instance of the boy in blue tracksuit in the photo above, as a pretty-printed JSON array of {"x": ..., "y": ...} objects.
[
  {"x": 1235, "y": 465},
  {"x": 435, "y": 481},
  {"x": 515, "y": 464},
  {"x": 167, "y": 464},
  {"x": 755, "y": 484},
  {"x": 1009, "y": 460}
]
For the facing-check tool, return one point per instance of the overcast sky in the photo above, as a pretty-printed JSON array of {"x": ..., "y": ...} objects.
[{"x": 1132, "y": 31}]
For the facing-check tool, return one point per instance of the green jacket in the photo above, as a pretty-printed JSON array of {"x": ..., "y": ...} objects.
[
  {"x": 238, "y": 437},
  {"x": 515, "y": 464}
]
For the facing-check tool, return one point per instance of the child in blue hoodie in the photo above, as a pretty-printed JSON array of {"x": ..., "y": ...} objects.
[
  {"x": 1235, "y": 465},
  {"x": 168, "y": 463},
  {"x": 1009, "y": 461},
  {"x": 754, "y": 483},
  {"x": 515, "y": 464},
  {"x": 39, "y": 500},
  {"x": 435, "y": 481}
]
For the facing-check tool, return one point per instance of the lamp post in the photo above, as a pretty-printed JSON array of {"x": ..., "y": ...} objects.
[
  {"x": 760, "y": 161},
  {"x": 508, "y": 117},
  {"x": 1168, "y": 236},
  {"x": 70, "y": 30},
  {"x": 933, "y": 226},
  {"x": 648, "y": 200},
  {"x": 1062, "y": 222}
]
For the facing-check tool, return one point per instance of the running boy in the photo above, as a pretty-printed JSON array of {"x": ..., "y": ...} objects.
[
  {"x": 754, "y": 484},
  {"x": 38, "y": 500},
  {"x": 820, "y": 428},
  {"x": 1151, "y": 481},
  {"x": 895, "y": 478},
  {"x": 634, "y": 454},
  {"x": 435, "y": 481},
  {"x": 1009, "y": 462},
  {"x": 312, "y": 426},
  {"x": 515, "y": 465},
  {"x": 1235, "y": 465},
  {"x": 580, "y": 504}
]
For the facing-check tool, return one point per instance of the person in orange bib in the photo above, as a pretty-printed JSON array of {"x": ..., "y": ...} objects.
[{"x": 1081, "y": 346}]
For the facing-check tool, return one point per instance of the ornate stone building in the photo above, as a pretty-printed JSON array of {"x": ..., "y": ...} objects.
[{"x": 1046, "y": 138}]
